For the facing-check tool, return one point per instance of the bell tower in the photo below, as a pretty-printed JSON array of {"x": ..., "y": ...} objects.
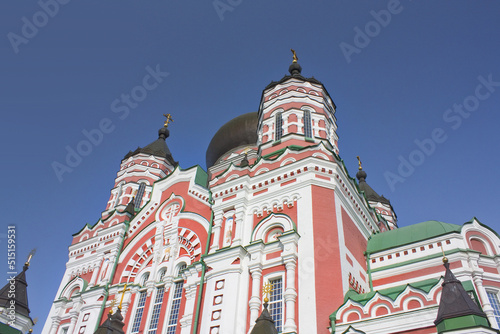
[
  {"x": 139, "y": 169},
  {"x": 296, "y": 111}
]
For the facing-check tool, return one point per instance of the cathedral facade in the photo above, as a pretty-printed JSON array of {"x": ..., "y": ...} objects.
[{"x": 183, "y": 251}]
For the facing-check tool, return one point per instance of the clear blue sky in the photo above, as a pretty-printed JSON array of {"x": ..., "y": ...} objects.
[{"x": 392, "y": 87}]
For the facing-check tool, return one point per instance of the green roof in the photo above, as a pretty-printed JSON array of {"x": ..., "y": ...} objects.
[
  {"x": 392, "y": 293},
  {"x": 5, "y": 329},
  {"x": 410, "y": 234}
]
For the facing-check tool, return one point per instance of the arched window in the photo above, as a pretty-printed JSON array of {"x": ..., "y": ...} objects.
[
  {"x": 307, "y": 124},
  {"x": 73, "y": 292},
  {"x": 180, "y": 269},
  {"x": 139, "y": 310},
  {"x": 173, "y": 317},
  {"x": 278, "y": 130},
  {"x": 161, "y": 274},
  {"x": 140, "y": 195},
  {"x": 144, "y": 279},
  {"x": 155, "y": 315}
]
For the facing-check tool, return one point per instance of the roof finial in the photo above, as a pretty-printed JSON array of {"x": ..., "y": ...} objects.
[
  {"x": 295, "y": 58},
  {"x": 123, "y": 294},
  {"x": 33, "y": 251},
  {"x": 359, "y": 163},
  {"x": 168, "y": 120}
]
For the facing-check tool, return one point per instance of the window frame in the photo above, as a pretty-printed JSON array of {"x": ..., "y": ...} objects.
[
  {"x": 178, "y": 283},
  {"x": 496, "y": 305},
  {"x": 140, "y": 195},
  {"x": 307, "y": 119},
  {"x": 268, "y": 279},
  {"x": 154, "y": 318},
  {"x": 278, "y": 126},
  {"x": 138, "y": 308}
]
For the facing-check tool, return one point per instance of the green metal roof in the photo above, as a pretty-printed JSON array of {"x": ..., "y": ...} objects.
[
  {"x": 410, "y": 234},
  {"x": 392, "y": 293},
  {"x": 5, "y": 329}
]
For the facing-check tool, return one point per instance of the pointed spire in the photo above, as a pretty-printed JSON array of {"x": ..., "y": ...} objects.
[
  {"x": 130, "y": 208},
  {"x": 19, "y": 285},
  {"x": 456, "y": 303},
  {"x": 264, "y": 323}
]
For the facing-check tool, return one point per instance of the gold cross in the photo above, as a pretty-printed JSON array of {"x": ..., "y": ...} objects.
[
  {"x": 168, "y": 120},
  {"x": 266, "y": 290},
  {"x": 123, "y": 294},
  {"x": 359, "y": 163},
  {"x": 295, "y": 58}
]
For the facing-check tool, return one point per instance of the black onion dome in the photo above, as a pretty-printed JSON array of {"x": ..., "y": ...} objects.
[
  {"x": 239, "y": 131},
  {"x": 158, "y": 148},
  {"x": 361, "y": 175}
]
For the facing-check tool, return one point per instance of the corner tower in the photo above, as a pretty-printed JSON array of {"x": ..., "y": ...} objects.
[{"x": 381, "y": 204}]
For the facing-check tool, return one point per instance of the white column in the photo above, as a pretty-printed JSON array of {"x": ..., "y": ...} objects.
[
  {"x": 290, "y": 296},
  {"x": 478, "y": 280},
  {"x": 187, "y": 317},
  {"x": 74, "y": 318},
  {"x": 216, "y": 232},
  {"x": 255, "y": 301}
]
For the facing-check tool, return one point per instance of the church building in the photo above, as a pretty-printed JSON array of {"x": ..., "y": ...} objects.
[{"x": 188, "y": 251}]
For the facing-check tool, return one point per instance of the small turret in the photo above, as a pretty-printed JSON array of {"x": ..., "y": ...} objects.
[
  {"x": 381, "y": 204},
  {"x": 14, "y": 309},
  {"x": 457, "y": 311},
  {"x": 139, "y": 170}
]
